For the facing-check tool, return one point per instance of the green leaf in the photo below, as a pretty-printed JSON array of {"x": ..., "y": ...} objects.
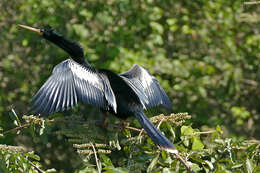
[
  {"x": 16, "y": 120},
  {"x": 32, "y": 156},
  {"x": 164, "y": 155},
  {"x": 186, "y": 130},
  {"x": 25, "y": 42},
  {"x": 51, "y": 170},
  {"x": 106, "y": 162},
  {"x": 127, "y": 133},
  {"x": 153, "y": 163},
  {"x": 171, "y": 21},
  {"x": 197, "y": 144},
  {"x": 240, "y": 112},
  {"x": 81, "y": 30},
  {"x": 42, "y": 128},
  {"x": 115, "y": 170},
  {"x": 249, "y": 166},
  {"x": 195, "y": 167},
  {"x": 237, "y": 166},
  {"x": 185, "y": 140},
  {"x": 211, "y": 166},
  {"x": 157, "y": 27},
  {"x": 156, "y": 13},
  {"x": 218, "y": 129}
]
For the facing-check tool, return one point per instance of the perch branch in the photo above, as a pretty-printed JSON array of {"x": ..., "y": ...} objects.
[
  {"x": 177, "y": 156},
  {"x": 127, "y": 127}
]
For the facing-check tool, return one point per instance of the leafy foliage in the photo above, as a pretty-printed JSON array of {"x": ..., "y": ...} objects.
[
  {"x": 205, "y": 54},
  {"x": 128, "y": 149},
  {"x": 16, "y": 159}
]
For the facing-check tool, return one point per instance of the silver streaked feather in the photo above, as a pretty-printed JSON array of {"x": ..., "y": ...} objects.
[
  {"x": 146, "y": 87},
  {"x": 69, "y": 83}
]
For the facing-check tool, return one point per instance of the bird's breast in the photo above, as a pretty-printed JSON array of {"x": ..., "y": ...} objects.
[{"x": 127, "y": 100}]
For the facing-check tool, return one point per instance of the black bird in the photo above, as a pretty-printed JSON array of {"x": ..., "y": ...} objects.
[{"x": 123, "y": 95}]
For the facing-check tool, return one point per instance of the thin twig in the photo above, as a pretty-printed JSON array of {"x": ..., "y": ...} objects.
[
  {"x": 254, "y": 141},
  {"x": 159, "y": 124},
  {"x": 140, "y": 134},
  {"x": 95, "y": 153},
  {"x": 252, "y": 3},
  {"x": 127, "y": 127},
  {"x": 200, "y": 133},
  {"x": 132, "y": 128},
  {"x": 38, "y": 169},
  {"x": 177, "y": 156},
  {"x": 251, "y": 82},
  {"x": 17, "y": 128}
]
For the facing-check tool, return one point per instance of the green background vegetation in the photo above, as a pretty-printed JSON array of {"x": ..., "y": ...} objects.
[{"x": 206, "y": 55}]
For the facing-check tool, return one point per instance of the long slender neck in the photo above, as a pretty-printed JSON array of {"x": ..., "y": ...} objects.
[{"x": 72, "y": 48}]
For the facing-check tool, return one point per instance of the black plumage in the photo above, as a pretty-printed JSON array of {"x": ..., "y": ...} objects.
[{"x": 123, "y": 95}]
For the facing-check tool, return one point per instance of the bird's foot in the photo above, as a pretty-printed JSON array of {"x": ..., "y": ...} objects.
[
  {"x": 122, "y": 124},
  {"x": 102, "y": 123}
]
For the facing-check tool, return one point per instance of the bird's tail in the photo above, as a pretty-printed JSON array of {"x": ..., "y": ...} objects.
[{"x": 157, "y": 137}]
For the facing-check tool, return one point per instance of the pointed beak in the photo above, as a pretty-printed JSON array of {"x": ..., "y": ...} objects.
[{"x": 37, "y": 31}]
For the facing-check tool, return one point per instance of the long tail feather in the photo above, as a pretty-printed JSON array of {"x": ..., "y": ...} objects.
[{"x": 157, "y": 137}]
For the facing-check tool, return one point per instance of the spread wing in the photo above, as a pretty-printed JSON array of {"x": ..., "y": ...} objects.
[
  {"x": 146, "y": 87},
  {"x": 69, "y": 83}
]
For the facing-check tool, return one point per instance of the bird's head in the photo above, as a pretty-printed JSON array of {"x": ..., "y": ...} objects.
[
  {"x": 72, "y": 48},
  {"x": 37, "y": 31},
  {"x": 48, "y": 34}
]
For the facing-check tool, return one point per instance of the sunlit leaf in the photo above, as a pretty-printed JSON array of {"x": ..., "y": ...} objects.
[
  {"x": 249, "y": 166},
  {"x": 153, "y": 163},
  {"x": 115, "y": 170},
  {"x": 186, "y": 130},
  {"x": 197, "y": 144}
]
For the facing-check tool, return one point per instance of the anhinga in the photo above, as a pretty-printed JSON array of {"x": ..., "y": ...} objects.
[{"x": 123, "y": 95}]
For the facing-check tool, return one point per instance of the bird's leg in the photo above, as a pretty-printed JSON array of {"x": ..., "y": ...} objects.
[
  {"x": 103, "y": 123},
  {"x": 121, "y": 125}
]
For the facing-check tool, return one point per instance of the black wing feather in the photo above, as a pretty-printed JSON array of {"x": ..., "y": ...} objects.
[{"x": 143, "y": 83}]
